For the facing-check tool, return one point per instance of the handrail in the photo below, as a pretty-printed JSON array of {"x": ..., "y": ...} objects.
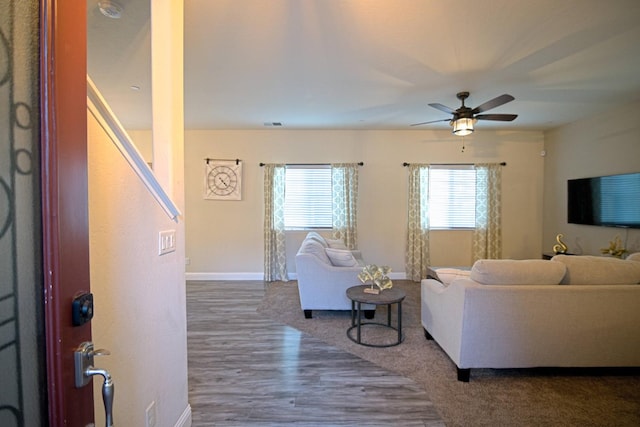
[{"x": 110, "y": 123}]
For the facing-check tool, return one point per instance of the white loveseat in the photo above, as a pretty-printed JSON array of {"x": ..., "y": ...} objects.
[
  {"x": 325, "y": 269},
  {"x": 572, "y": 311}
]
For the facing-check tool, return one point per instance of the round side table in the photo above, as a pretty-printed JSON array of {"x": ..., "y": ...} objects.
[{"x": 387, "y": 297}]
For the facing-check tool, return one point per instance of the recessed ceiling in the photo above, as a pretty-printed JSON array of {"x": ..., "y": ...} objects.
[{"x": 376, "y": 64}]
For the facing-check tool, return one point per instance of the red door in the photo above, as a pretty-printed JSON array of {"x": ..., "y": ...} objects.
[{"x": 64, "y": 203}]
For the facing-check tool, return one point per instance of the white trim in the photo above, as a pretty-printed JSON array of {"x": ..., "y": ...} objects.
[
  {"x": 185, "y": 418},
  {"x": 224, "y": 276},
  {"x": 259, "y": 276},
  {"x": 398, "y": 276},
  {"x": 111, "y": 125}
]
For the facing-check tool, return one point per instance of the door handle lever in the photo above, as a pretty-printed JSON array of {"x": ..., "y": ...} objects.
[
  {"x": 107, "y": 392},
  {"x": 84, "y": 370}
]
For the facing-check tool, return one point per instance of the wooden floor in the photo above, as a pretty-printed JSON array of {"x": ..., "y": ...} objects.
[{"x": 245, "y": 370}]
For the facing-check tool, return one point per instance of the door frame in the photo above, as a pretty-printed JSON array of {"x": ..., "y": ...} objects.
[{"x": 65, "y": 218}]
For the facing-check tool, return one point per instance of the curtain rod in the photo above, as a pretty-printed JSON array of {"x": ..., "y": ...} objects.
[
  {"x": 311, "y": 164},
  {"x": 223, "y": 160},
  {"x": 405, "y": 164}
]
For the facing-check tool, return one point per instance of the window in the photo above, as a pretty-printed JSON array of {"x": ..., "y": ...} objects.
[
  {"x": 452, "y": 197},
  {"x": 308, "y": 198}
]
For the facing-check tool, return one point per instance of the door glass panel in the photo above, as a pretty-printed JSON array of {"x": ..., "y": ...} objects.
[{"x": 22, "y": 371}]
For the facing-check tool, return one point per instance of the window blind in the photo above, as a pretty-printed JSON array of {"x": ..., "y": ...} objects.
[
  {"x": 452, "y": 196},
  {"x": 308, "y": 198}
]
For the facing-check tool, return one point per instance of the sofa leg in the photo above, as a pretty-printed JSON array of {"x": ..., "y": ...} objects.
[
  {"x": 427, "y": 335},
  {"x": 307, "y": 314},
  {"x": 369, "y": 314},
  {"x": 464, "y": 374}
]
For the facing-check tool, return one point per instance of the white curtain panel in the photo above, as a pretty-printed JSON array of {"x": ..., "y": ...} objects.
[
  {"x": 487, "y": 235},
  {"x": 344, "y": 177},
  {"x": 417, "y": 252},
  {"x": 275, "y": 257}
]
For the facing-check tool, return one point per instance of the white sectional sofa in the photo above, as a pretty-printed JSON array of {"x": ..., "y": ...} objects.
[
  {"x": 572, "y": 311},
  {"x": 325, "y": 269}
]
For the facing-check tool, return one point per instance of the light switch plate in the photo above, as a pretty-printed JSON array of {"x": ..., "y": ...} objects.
[{"x": 166, "y": 242}]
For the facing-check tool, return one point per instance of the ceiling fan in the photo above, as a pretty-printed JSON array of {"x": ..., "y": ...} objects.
[{"x": 464, "y": 117}]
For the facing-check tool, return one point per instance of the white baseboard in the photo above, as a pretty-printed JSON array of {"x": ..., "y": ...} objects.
[
  {"x": 258, "y": 276},
  {"x": 185, "y": 418},
  {"x": 224, "y": 276}
]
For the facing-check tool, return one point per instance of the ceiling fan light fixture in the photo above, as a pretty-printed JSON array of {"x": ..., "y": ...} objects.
[{"x": 463, "y": 126}]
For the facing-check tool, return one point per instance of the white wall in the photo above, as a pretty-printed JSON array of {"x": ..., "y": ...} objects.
[
  {"x": 143, "y": 140},
  {"x": 140, "y": 296},
  {"x": 603, "y": 145},
  {"x": 224, "y": 238}
]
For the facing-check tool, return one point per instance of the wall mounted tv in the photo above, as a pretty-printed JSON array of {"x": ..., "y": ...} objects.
[{"x": 610, "y": 201}]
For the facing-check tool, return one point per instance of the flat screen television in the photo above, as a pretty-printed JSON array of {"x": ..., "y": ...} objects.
[{"x": 610, "y": 201}]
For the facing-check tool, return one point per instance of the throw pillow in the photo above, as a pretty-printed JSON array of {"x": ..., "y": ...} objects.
[
  {"x": 318, "y": 238},
  {"x": 598, "y": 270},
  {"x": 341, "y": 257},
  {"x": 517, "y": 272},
  {"x": 633, "y": 257},
  {"x": 313, "y": 247},
  {"x": 448, "y": 275},
  {"x": 336, "y": 244}
]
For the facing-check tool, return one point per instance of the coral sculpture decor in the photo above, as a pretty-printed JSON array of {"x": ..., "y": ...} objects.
[
  {"x": 377, "y": 276},
  {"x": 615, "y": 248}
]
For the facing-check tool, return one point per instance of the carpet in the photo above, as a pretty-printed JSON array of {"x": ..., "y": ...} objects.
[{"x": 504, "y": 397}]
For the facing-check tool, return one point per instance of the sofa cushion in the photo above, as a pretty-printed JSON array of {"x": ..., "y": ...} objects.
[
  {"x": 598, "y": 270},
  {"x": 341, "y": 257},
  {"x": 313, "y": 247},
  {"x": 517, "y": 272}
]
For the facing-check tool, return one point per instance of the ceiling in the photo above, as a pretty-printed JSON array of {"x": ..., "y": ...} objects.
[{"x": 376, "y": 64}]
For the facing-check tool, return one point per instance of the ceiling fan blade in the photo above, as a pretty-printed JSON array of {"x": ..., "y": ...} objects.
[
  {"x": 432, "y": 121},
  {"x": 495, "y": 102},
  {"x": 442, "y": 108},
  {"x": 497, "y": 117}
]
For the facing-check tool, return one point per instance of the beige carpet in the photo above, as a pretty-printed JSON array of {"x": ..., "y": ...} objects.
[{"x": 510, "y": 397}]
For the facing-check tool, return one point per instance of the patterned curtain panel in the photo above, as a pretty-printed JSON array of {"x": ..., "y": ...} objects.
[
  {"x": 275, "y": 257},
  {"x": 344, "y": 177},
  {"x": 417, "y": 253},
  {"x": 487, "y": 236}
]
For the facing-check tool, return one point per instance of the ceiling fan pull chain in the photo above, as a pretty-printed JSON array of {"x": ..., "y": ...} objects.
[{"x": 462, "y": 144}]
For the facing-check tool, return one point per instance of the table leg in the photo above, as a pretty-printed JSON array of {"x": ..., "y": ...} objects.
[
  {"x": 359, "y": 321},
  {"x": 353, "y": 312},
  {"x": 388, "y": 314},
  {"x": 399, "y": 322}
]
